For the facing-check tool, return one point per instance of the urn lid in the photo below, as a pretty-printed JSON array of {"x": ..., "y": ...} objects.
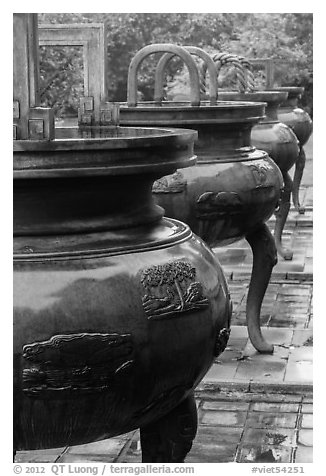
[
  {"x": 178, "y": 113},
  {"x": 293, "y": 91},
  {"x": 270, "y": 97},
  {"x": 104, "y": 151}
]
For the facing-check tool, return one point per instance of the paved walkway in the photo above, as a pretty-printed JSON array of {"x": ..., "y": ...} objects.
[{"x": 252, "y": 407}]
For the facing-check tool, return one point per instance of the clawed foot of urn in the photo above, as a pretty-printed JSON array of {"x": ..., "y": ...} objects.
[
  {"x": 299, "y": 168},
  {"x": 281, "y": 215},
  {"x": 169, "y": 439},
  {"x": 264, "y": 259}
]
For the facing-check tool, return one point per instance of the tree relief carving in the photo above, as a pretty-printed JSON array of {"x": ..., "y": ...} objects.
[
  {"x": 171, "y": 289},
  {"x": 75, "y": 363}
]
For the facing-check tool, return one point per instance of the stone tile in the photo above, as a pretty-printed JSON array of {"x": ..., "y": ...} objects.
[
  {"x": 303, "y": 454},
  {"x": 214, "y": 444},
  {"x": 307, "y": 420},
  {"x": 271, "y": 420},
  {"x": 308, "y": 398},
  {"x": 267, "y": 387},
  {"x": 294, "y": 300},
  {"x": 39, "y": 456},
  {"x": 238, "y": 333},
  {"x": 301, "y": 354},
  {"x": 217, "y": 453},
  {"x": 274, "y": 407},
  {"x": 221, "y": 406},
  {"x": 110, "y": 447},
  {"x": 305, "y": 437},
  {"x": 289, "y": 290},
  {"x": 266, "y": 368},
  {"x": 294, "y": 266},
  {"x": 224, "y": 418},
  {"x": 229, "y": 356},
  {"x": 301, "y": 336},
  {"x": 84, "y": 458},
  {"x": 221, "y": 372},
  {"x": 265, "y": 454},
  {"x": 275, "y": 398},
  {"x": 270, "y": 437},
  {"x": 299, "y": 372},
  {"x": 307, "y": 408},
  {"x": 292, "y": 321}
]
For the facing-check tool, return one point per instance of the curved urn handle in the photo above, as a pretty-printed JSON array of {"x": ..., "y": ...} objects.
[
  {"x": 174, "y": 50},
  {"x": 209, "y": 64}
]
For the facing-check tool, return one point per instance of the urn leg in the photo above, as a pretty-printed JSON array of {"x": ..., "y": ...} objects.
[
  {"x": 264, "y": 259},
  {"x": 169, "y": 439},
  {"x": 281, "y": 216},
  {"x": 299, "y": 168}
]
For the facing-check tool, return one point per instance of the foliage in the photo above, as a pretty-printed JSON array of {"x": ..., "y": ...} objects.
[{"x": 285, "y": 37}]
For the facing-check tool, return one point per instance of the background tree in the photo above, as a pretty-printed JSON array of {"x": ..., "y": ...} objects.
[{"x": 285, "y": 37}]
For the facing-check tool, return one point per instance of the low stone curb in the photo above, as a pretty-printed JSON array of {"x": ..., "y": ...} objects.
[
  {"x": 244, "y": 274},
  {"x": 226, "y": 386}
]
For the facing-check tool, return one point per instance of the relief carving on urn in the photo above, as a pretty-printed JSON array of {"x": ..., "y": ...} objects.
[
  {"x": 75, "y": 363},
  {"x": 173, "y": 183},
  {"x": 170, "y": 289}
]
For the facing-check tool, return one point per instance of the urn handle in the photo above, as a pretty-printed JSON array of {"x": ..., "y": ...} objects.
[
  {"x": 194, "y": 50},
  {"x": 162, "y": 48},
  {"x": 242, "y": 67}
]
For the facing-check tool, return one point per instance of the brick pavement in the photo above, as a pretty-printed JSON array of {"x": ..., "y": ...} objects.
[{"x": 252, "y": 407}]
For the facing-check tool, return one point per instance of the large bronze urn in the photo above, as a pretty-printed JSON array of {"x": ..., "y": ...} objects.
[
  {"x": 269, "y": 134},
  {"x": 278, "y": 140},
  {"x": 292, "y": 115},
  {"x": 299, "y": 121},
  {"x": 118, "y": 311},
  {"x": 233, "y": 188}
]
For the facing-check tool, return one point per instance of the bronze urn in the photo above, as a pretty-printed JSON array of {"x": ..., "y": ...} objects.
[
  {"x": 300, "y": 122},
  {"x": 269, "y": 134}
]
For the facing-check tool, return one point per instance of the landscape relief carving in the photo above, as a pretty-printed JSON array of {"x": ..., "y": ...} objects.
[
  {"x": 171, "y": 288},
  {"x": 75, "y": 363}
]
